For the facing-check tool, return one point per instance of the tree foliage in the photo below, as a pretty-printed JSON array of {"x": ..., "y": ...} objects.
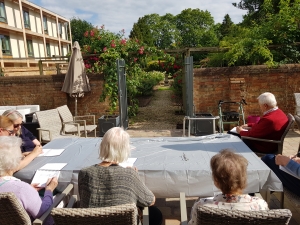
[{"x": 78, "y": 28}]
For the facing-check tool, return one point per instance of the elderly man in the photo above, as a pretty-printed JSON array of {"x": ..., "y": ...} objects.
[{"x": 271, "y": 125}]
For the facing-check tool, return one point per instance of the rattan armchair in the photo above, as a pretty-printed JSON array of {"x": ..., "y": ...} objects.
[
  {"x": 12, "y": 212},
  {"x": 208, "y": 215},
  {"x": 291, "y": 120},
  {"x": 117, "y": 215},
  {"x": 68, "y": 120}
]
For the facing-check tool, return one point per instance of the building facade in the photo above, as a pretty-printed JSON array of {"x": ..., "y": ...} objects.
[{"x": 29, "y": 32}]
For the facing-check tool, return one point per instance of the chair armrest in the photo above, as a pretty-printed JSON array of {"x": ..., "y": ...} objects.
[
  {"x": 40, "y": 133},
  {"x": 83, "y": 121},
  {"x": 259, "y": 139},
  {"x": 57, "y": 200},
  {"x": 93, "y": 116},
  {"x": 146, "y": 216},
  {"x": 183, "y": 213}
]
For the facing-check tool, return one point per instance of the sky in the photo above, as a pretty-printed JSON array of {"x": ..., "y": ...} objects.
[{"x": 116, "y": 15}]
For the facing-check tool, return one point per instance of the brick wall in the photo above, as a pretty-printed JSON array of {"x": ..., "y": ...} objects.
[
  {"x": 46, "y": 92},
  {"x": 234, "y": 83}
]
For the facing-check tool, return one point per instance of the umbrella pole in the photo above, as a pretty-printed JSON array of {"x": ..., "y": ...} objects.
[{"x": 76, "y": 106}]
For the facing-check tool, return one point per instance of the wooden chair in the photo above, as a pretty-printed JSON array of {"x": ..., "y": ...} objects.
[
  {"x": 209, "y": 215},
  {"x": 12, "y": 212},
  {"x": 117, "y": 215},
  {"x": 291, "y": 120},
  {"x": 295, "y": 199},
  {"x": 68, "y": 121},
  {"x": 51, "y": 125}
]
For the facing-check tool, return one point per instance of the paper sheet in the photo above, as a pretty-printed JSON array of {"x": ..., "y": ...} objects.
[
  {"x": 53, "y": 166},
  {"x": 51, "y": 152},
  {"x": 128, "y": 163},
  {"x": 41, "y": 177},
  {"x": 288, "y": 171}
]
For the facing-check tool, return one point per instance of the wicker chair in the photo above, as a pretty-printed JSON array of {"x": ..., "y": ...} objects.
[
  {"x": 67, "y": 118},
  {"x": 209, "y": 215},
  {"x": 51, "y": 125},
  {"x": 117, "y": 215},
  {"x": 12, "y": 212},
  {"x": 291, "y": 120}
]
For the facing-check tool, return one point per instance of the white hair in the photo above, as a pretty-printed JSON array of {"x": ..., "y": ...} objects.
[
  {"x": 12, "y": 114},
  {"x": 267, "y": 98},
  {"x": 115, "y": 145},
  {"x": 10, "y": 153}
]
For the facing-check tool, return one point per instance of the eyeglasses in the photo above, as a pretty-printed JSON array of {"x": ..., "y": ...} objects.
[
  {"x": 10, "y": 132},
  {"x": 17, "y": 125}
]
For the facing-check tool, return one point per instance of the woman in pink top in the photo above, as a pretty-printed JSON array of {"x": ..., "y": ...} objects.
[{"x": 229, "y": 172}]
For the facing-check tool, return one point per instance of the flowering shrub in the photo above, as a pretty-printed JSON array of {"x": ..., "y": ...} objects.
[
  {"x": 177, "y": 84},
  {"x": 104, "y": 49}
]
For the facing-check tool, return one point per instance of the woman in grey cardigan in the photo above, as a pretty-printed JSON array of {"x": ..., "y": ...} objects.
[{"x": 107, "y": 183}]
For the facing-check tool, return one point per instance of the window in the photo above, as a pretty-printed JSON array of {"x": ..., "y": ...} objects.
[
  {"x": 48, "y": 50},
  {"x": 2, "y": 13},
  {"x": 60, "y": 29},
  {"x": 45, "y": 25},
  {"x": 30, "y": 48},
  {"x": 62, "y": 51},
  {"x": 5, "y": 45},
  {"x": 26, "y": 19}
]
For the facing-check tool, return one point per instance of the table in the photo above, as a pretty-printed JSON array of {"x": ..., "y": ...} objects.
[{"x": 167, "y": 165}]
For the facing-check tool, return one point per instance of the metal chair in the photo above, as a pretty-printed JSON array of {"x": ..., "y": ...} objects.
[
  {"x": 68, "y": 121},
  {"x": 12, "y": 212},
  {"x": 291, "y": 120},
  {"x": 51, "y": 125},
  {"x": 117, "y": 215},
  {"x": 209, "y": 215}
]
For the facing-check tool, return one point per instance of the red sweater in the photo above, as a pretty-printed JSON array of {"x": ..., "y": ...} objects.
[{"x": 270, "y": 126}]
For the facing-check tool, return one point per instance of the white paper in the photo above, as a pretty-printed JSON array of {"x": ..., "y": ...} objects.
[
  {"x": 288, "y": 171},
  {"x": 51, "y": 152},
  {"x": 128, "y": 163},
  {"x": 53, "y": 166},
  {"x": 233, "y": 130},
  {"x": 41, "y": 177}
]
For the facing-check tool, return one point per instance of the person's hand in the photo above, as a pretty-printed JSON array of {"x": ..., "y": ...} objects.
[
  {"x": 281, "y": 160},
  {"x": 35, "y": 186},
  {"x": 25, "y": 153},
  {"x": 292, "y": 156},
  {"x": 37, "y": 150},
  {"x": 51, "y": 184},
  {"x": 245, "y": 125}
]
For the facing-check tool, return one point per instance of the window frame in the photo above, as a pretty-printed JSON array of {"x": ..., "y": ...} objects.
[
  {"x": 3, "y": 18},
  {"x": 2, "y": 36},
  {"x": 26, "y": 22},
  {"x": 60, "y": 29},
  {"x": 48, "y": 50},
  {"x": 45, "y": 22},
  {"x": 29, "y": 42}
]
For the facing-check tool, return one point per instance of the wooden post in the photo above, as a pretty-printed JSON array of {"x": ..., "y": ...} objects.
[{"x": 41, "y": 67}]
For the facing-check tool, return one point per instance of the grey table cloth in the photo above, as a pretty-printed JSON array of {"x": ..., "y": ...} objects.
[{"x": 167, "y": 165}]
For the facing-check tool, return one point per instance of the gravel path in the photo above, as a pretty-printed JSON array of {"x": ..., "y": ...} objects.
[{"x": 159, "y": 114}]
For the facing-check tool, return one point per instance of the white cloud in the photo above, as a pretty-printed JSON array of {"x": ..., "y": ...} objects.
[{"x": 117, "y": 15}]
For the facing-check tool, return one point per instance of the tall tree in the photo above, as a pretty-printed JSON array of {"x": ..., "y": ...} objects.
[
  {"x": 78, "y": 28},
  {"x": 226, "y": 25}
]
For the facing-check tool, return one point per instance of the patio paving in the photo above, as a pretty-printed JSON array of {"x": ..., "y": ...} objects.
[{"x": 170, "y": 207}]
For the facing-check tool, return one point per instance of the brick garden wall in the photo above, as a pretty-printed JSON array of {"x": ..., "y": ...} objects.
[
  {"x": 234, "y": 83},
  {"x": 45, "y": 91}
]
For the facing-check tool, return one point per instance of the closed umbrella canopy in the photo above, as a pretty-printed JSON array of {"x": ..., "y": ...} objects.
[{"x": 76, "y": 81}]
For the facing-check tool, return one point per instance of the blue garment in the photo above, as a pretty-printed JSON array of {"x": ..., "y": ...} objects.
[
  {"x": 288, "y": 181},
  {"x": 27, "y": 138}
]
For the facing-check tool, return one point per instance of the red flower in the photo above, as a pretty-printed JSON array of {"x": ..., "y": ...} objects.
[
  {"x": 141, "y": 50},
  {"x": 123, "y": 41},
  {"x": 87, "y": 66},
  {"x": 92, "y": 33},
  {"x": 86, "y": 34},
  {"x": 135, "y": 59},
  {"x": 104, "y": 49},
  {"x": 179, "y": 81}
]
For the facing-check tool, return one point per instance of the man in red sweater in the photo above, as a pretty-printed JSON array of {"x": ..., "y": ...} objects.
[{"x": 271, "y": 125}]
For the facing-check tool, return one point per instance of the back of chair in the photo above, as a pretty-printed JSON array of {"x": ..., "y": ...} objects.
[
  {"x": 117, "y": 215},
  {"x": 49, "y": 120},
  {"x": 297, "y": 102},
  {"x": 297, "y": 119},
  {"x": 291, "y": 121},
  {"x": 11, "y": 211},
  {"x": 65, "y": 113},
  {"x": 209, "y": 215}
]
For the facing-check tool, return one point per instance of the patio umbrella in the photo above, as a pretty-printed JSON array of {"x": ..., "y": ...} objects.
[{"x": 76, "y": 81}]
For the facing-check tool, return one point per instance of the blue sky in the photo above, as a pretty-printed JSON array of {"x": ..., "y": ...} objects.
[{"x": 117, "y": 15}]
